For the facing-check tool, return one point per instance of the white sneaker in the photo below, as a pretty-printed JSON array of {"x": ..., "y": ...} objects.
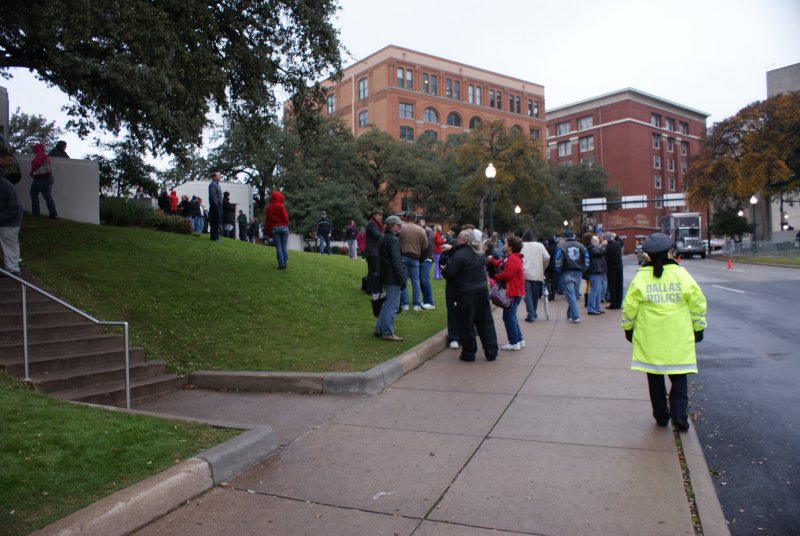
[
  {"x": 417, "y": 308},
  {"x": 510, "y": 346},
  {"x": 428, "y": 306},
  {"x": 522, "y": 343},
  {"x": 574, "y": 320},
  {"x": 404, "y": 308},
  {"x": 454, "y": 345}
]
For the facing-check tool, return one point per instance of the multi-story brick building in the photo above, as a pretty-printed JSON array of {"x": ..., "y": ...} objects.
[
  {"x": 644, "y": 144},
  {"x": 410, "y": 94}
]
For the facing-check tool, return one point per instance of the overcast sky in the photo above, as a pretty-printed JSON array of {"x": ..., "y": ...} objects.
[{"x": 710, "y": 55}]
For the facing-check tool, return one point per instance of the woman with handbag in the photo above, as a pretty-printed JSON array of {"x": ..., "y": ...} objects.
[
  {"x": 511, "y": 273},
  {"x": 42, "y": 175}
]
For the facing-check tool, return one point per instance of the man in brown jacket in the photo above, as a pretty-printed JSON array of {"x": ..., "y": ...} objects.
[{"x": 413, "y": 240}]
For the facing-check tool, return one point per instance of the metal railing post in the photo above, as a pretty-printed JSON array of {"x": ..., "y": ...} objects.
[
  {"x": 25, "y": 331},
  {"x": 127, "y": 369}
]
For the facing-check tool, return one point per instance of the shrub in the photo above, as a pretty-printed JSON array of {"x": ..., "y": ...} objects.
[{"x": 122, "y": 212}]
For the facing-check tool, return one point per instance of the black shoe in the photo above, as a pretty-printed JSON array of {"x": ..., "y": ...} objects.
[
  {"x": 662, "y": 424},
  {"x": 468, "y": 359},
  {"x": 377, "y": 334},
  {"x": 491, "y": 358},
  {"x": 681, "y": 426}
]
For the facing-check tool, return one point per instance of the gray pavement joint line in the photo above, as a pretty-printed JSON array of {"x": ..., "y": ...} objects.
[{"x": 687, "y": 486}]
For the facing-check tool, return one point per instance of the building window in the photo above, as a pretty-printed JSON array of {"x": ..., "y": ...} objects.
[
  {"x": 535, "y": 134},
  {"x": 684, "y": 166},
  {"x": 519, "y": 102},
  {"x": 670, "y": 144},
  {"x": 430, "y": 116},
  {"x": 657, "y": 182},
  {"x": 478, "y": 96},
  {"x": 471, "y": 94},
  {"x": 530, "y": 107},
  {"x": 434, "y": 84},
  {"x": 453, "y": 119},
  {"x": 672, "y": 183},
  {"x": 656, "y": 141},
  {"x": 656, "y": 161},
  {"x": 406, "y": 111},
  {"x": 684, "y": 148},
  {"x": 511, "y": 103},
  {"x": 586, "y": 143},
  {"x": 670, "y": 164},
  {"x": 585, "y": 122},
  {"x": 474, "y": 122},
  {"x": 431, "y": 134},
  {"x": 588, "y": 160},
  {"x": 405, "y": 204},
  {"x": 409, "y": 79},
  {"x": 655, "y": 120},
  {"x": 407, "y": 133},
  {"x": 426, "y": 84},
  {"x": 363, "y": 118},
  {"x": 564, "y": 148},
  {"x": 684, "y": 128},
  {"x": 400, "y": 74},
  {"x": 457, "y": 90},
  {"x": 491, "y": 98},
  {"x": 331, "y": 103},
  {"x": 363, "y": 89},
  {"x": 562, "y": 128},
  {"x": 516, "y": 129},
  {"x": 448, "y": 88},
  {"x": 659, "y": 201},
  {"x": 670, "y": 124},
  {"x": 536, "y": 109},
  {"x": 499, "y": 101}
]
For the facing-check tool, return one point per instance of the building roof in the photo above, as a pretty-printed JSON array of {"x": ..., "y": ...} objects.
[{"x": 625, "y": 94}]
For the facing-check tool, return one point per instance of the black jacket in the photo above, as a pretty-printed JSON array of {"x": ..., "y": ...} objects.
[
  {"x": 390, "y": 260},
  {"x": 374, "y": 234},
  {"x": 466, "y": 270},
  {"x": 228, "y": 212},
  {"x": 613, "y": 255},
  {"x": 597, "y": 260}
]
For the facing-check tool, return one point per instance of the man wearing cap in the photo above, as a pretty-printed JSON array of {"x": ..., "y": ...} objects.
[
  {"x": 373, "y": 233},
  {"x": 664, "y": 315},
  {"x": 324, "y": 230},
  {"x": 10, "y": 216},
  {"x": 572, "y": 260},
  {"x": 392, "y": 276}
]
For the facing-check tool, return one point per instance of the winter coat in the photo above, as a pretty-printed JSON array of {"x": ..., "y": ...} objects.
[
  {"x": 466, "y": 270},
  {"x": 511, "y": 273},
  {"x": 40, "y": 159},
  {"x": 571, "y": 255},
  {"x": 597, "y": 260},
  {"x": 374, "y": 233},
  {"x": 275, "y": 214},
  {"x": 390, "y": 261},
  {"x": 534, "y": 260}
]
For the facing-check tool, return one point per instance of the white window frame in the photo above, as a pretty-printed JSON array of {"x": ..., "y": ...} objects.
[
  {"x": 562, "y": 128},
  {"x": 564, "y": 148},
  {"x": 656, "y": 161},
  {"x": 656, "y": 141},
  {"x": 406, "y": 110},
  {"x": 657, "y": 182},
  {"x": 585, "y": 123},
  {"x": 363, "y": 88},
  {"x": 586, "y": 143},
  {"x": 363, "y": 118}
]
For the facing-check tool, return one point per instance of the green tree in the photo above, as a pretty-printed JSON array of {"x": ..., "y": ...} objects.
[
  {"x": 583, "y": 181},
  {"x": 727, "y": 222},
  {"x": 26, "y": 130},
  {"x": 193, "y": 167},
  {"x": 155, "y": 69},
  {"x": 126, "y": 170}
]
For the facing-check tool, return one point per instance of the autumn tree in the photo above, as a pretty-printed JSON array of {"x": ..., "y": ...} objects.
[
  {"x": 25, "y": 130},
  {"x": 156, "y": 69}
]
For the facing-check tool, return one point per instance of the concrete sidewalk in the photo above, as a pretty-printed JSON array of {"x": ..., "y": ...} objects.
[{"x": 556, "y": 439}]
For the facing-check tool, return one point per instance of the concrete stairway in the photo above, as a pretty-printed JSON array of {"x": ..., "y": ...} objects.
[{"x": 71, "y": 357}]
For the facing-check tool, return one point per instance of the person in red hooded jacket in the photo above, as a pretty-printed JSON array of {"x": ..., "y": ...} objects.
[
  {"x": 276, "y": 226},
  {"x": 511, "y": 272},
  {"x": 42, "y": 175}
]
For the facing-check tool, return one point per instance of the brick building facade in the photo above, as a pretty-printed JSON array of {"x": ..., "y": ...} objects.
[{"x": 643, "y": 142}]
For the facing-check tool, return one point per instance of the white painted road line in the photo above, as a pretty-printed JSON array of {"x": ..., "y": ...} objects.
[{"x": 731, "y": 289}]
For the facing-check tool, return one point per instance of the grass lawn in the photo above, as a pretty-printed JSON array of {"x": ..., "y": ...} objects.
[
  {"x": 57, "y": 457},
  {"x": 202, "y": 305},
  {"x": 786, "y": 260}
]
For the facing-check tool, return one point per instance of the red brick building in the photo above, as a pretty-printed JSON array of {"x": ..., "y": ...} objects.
[
  {"x": 642, "y": 141},
  {"x": 410, "y": 94}
]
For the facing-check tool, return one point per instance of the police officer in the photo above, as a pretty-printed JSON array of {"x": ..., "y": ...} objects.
[{"x": 664, "y": 315}]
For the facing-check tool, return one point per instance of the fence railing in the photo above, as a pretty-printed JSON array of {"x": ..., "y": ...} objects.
[
  {"x": 762, "y": 248},
  {"x": 25, "y": 285}
]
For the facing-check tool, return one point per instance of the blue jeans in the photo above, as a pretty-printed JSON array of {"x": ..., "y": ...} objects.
[
  {"x": 511, "y": 322},
  {"x": 197, "y": 224},
  {"x": 412, "y": 269},
  {"x": 385, "y": 323},
  {"x": 324, "y": 245},
  {"x": 280, "y": 235},
  {"x": 533, "y": 289},
  {"x": 571, "y": 282},
  {"x": 44, "y": 187},
  {"x": 425, "y": 281},
  {"x": 596, "y": 292}
]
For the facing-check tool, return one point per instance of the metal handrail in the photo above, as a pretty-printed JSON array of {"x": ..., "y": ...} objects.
[{"x": 25, "y": 285}]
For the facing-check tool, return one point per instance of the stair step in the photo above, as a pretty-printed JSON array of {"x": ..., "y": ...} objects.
[
  {"x": 52, "y": 363},
  {"x": 53, "y": 332},
  {"x": 43, "y": 318},
  {"x": 74, "y": 378},
  {"x": 113, "y": 393},
  {"x": 65, "y": 346},
  {"x": 35, "y": 306}
]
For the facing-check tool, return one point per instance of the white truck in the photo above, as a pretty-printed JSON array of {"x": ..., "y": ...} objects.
[{"x": 684, "y": 229}]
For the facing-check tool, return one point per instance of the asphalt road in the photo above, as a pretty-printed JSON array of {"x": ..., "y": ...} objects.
[{"x": 746, "y": 398}]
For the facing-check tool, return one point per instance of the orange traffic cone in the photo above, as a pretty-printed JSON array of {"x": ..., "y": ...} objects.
[
  {"x": 678, "y": 259},
  {"x": 730, "y": 266}
]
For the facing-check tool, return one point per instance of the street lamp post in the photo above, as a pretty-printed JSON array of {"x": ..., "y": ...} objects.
[
  {"x": 490, "y": 174},
  {"x": 753, "y": 201},
  {"x": 517, "y": 210}
]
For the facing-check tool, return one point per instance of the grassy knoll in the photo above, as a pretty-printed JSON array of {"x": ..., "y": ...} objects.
[
  {"x": 57, "y": 457},
  {"x": 202, "y": 305}
]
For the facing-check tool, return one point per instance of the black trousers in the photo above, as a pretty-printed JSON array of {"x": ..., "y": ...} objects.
[
  {"x": 373, "y": 277},
  {"x": 614, "y": 276},
  {"x": 474, "y": 315},
  {"x": 452, "y": 320},
  {"x": 214, "y": 221},
  {"x": 678, "y": 397}
]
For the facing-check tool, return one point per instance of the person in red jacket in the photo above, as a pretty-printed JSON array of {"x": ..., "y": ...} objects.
[
  {"x": 276, "y": 226},
  {"x": 511, "y": 273},
  {"x": 438, "y": 241},
  {"x": 173, "y": 202}
]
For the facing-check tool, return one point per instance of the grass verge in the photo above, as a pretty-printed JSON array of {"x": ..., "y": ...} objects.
[
  {"x": 57, "y": 457},
  {"x": 202, "y": 305}
]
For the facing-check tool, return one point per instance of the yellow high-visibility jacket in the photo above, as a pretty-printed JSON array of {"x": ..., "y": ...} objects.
[{"x": 664, "y": 313}]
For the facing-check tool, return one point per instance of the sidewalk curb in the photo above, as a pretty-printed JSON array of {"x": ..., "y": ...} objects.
[
  {"x": 368, "y": 382},
  {"x": 706, "y": 499}
]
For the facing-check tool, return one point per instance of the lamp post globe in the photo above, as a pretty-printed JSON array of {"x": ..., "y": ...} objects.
[{"x": 490, "y": 174}]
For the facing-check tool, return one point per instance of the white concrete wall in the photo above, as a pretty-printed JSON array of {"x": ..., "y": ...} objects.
[{"x": 76, "y": 190}]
